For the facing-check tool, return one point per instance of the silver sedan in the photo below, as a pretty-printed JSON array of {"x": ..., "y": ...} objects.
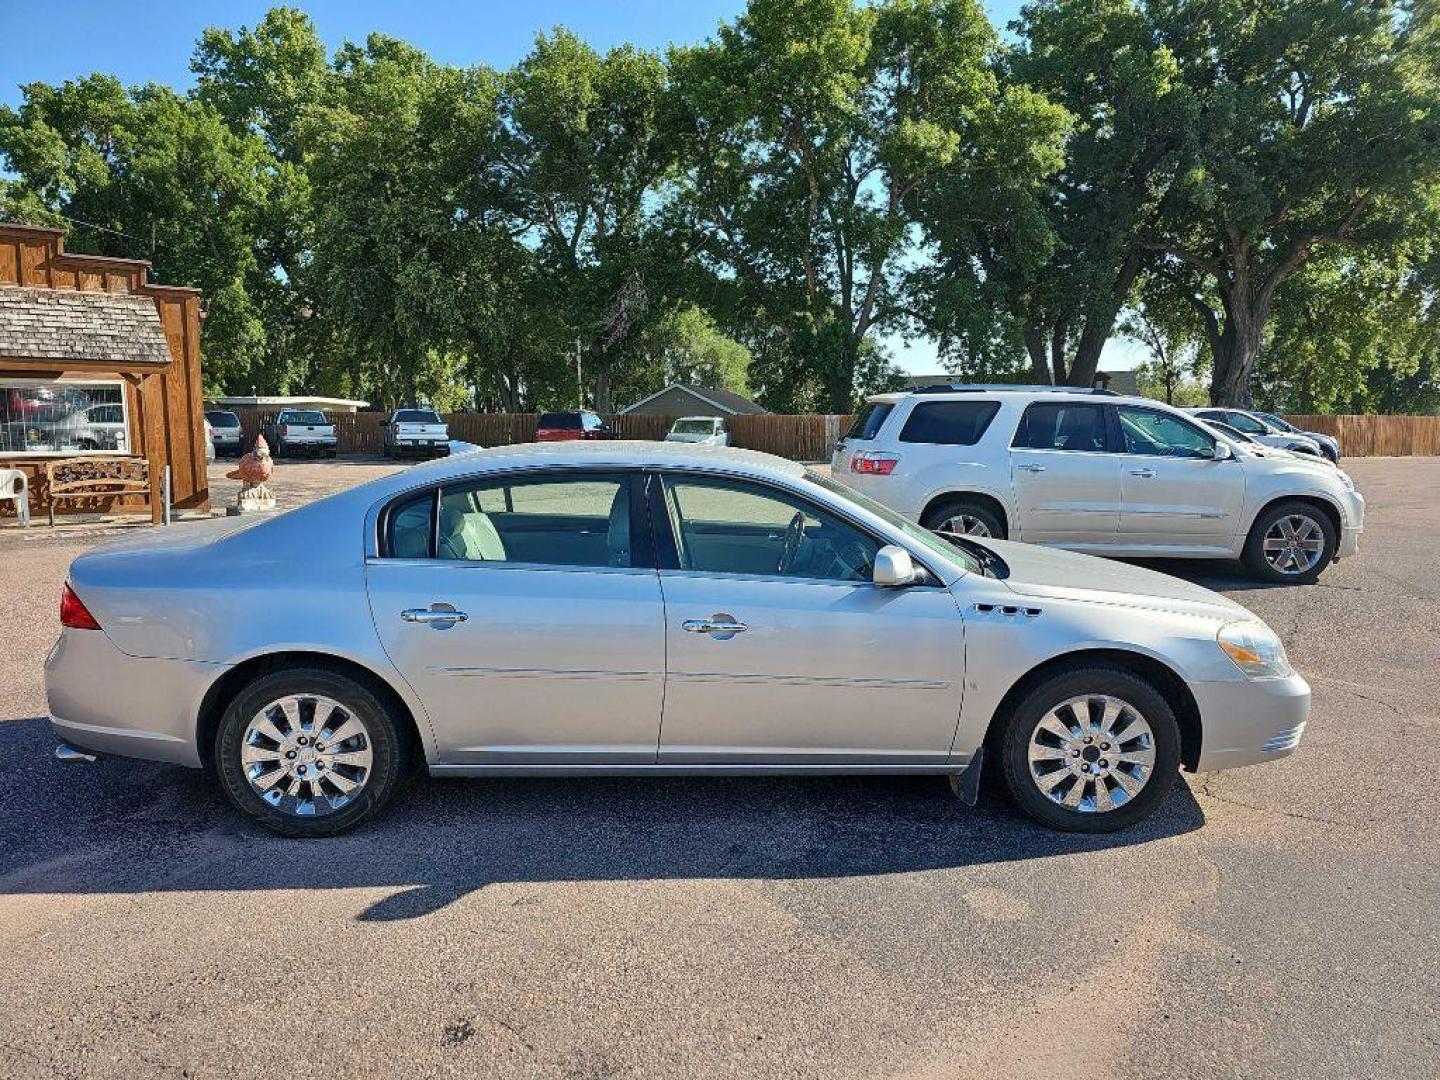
[{"x": 640, "y": 608}]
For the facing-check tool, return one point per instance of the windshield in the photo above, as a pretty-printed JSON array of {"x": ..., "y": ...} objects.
[
  {"x": 1282, "y": 424},
  {"x": 694, "y": 427},
  {"x": 416, "y": 416},
  {"x": 924, "y": 537}
]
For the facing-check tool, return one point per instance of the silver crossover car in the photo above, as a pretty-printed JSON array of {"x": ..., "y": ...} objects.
[{"x": 581, "y": 608}]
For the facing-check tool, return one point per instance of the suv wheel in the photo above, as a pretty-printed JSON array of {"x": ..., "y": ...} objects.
[
  {"x": 308, "y": 752},
  {"x": 1290, "y": 544},
  {"x": 1091, "y": 750},
  {"x": 967, "y": 517}
]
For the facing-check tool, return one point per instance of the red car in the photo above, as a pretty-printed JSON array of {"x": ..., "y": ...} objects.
[{"x": 565, "y": 426}]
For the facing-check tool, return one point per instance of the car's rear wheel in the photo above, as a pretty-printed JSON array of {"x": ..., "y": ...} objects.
[
  {"x": 1290, "y": 544},
  {"x": 965, "y": 517},
  {"x": 1091, "y": 750},
  {"x": 308, "y": 752}
]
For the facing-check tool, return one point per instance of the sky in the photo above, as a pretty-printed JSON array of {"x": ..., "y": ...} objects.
[{"x": 152, "y": 42}]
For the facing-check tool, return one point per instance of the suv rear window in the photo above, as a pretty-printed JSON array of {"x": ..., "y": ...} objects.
[
  {"x": 564, "y": 421},
  {"x": 222, "y": 419},
  {"x": 416, "y": 416},
  {"x": 1062, "y": 426},
  {"x": 949, "y": 423},
  {"x": 869, "y": 419}
]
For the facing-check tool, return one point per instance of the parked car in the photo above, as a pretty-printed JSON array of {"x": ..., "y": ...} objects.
[
  {"x": 301, "y": 431},
  {"x": 1099, "y": 473},
  {"x": 650, "y": 608},
  {"x": 209, "y": 432},
  {"x": 1328, "y": 443},
  {"x": 1260, "y": 431},
  {"x": 227, "y": 433},
  {"x": 565, "y": 426},
  {"x": 416, "y": 431},
  {"x": 708, "y": 430}
]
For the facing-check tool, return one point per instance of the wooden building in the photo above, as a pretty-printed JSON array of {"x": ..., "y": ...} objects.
[{"x": 95, "y": 360}]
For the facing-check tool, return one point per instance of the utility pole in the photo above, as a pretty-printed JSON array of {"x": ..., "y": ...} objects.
[{"x": 579, "y": 380}]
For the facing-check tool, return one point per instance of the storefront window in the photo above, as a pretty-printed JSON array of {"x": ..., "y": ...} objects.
[{"x": 62, "y": 418}]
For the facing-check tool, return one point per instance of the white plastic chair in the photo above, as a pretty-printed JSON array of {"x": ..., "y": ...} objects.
[{"x": 16, "y": 488}]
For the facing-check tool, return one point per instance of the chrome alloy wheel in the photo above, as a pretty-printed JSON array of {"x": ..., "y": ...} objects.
[
  {"x": 964, "y": 525},
  {"x": 306, "y": 755},
  {"x": 1092, "y": 754},
  {"x": 1294, "y": 544}
]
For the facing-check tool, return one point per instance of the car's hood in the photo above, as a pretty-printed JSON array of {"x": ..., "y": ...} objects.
[{"x": 1046, "y": 572}]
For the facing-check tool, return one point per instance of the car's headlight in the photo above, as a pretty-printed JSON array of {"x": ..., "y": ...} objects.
[{"x": 1255, "y": 649}]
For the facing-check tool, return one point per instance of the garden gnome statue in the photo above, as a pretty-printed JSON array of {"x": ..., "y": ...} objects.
[{"x": 252, "y": 472}]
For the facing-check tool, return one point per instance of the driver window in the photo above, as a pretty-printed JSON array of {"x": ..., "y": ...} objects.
[
  {"x": 1161, "y": 435},
  {"x": 731, "y": 527}
]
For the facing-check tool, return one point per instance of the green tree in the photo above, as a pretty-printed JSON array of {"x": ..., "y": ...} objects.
[{"x": 815, "y": 130}]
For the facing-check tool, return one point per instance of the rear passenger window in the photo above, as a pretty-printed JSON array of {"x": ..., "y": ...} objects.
[
  {"x": 869, "y": 420},
  {"x": 410, "y": 530},
  {"x": 949, "y": 423},
  {"x": 1062, "y": 426}
]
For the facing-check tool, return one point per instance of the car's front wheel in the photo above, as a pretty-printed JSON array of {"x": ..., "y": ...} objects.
[
  {"x": 1290, "y": 544},
  {"x": 1091, "y": 750},
  {"x": 308, "y": 751}
]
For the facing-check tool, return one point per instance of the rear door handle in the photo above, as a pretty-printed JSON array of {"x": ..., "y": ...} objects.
[
  {"x": 722, "y": 626},
  {"x": 433, "y": 614},
  {"x": 1142, "y": 472},
  {"x": 1031, "y": 468}
]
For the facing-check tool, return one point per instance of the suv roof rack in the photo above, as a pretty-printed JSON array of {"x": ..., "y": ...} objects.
[{"x": 1008, "y": 388}]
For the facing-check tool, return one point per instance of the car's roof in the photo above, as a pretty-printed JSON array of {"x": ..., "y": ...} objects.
[
  {"x": 1022, "y": 393},
  {"x": 618, "y": 452}
]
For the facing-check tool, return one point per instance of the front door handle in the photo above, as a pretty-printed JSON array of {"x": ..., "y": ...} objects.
[
  {"x": 1142, "y": 472},
  {"x": 721, "y": 625},
  {"x": 434, "y": 614},
  {"x": 1031, "y": 468}
]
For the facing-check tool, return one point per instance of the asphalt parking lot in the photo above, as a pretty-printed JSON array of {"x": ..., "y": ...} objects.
[{"x": 1280, "y": 921}]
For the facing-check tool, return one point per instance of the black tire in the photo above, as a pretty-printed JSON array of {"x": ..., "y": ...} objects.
[
  {"x": 1079, "y": 682},
  {"x": 382, "y": 731},
  {"x": 949, "y": 509},
  {"x": 277, "y": 449},
  {"x": 1254, "y": 554}
]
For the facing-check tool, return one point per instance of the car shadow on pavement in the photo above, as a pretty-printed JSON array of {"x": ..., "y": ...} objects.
[{"x": 121, "y": 826}]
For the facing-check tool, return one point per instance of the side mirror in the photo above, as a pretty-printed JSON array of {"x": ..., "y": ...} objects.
[
  {"x": 893, "y": 567},
  {"x": 1223, "y": 452}
]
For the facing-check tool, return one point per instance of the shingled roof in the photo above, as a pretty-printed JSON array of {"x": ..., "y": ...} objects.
[{"x": 64, "y": 324}]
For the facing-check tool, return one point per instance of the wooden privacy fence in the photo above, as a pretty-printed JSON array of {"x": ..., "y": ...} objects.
[
  {"x": 811, "y": 437},
  {"x": 803, "y": 438}
]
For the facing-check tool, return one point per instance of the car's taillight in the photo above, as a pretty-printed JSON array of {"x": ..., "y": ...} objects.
[
  {"x": 73, "y": 613},
  {"x": 397, "y": 429},
  {"x": 872, "y": 463},
  {"x": 284, "y": 429}
]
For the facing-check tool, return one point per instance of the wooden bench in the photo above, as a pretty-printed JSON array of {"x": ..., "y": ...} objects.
[{"x": 96, "y": 477}]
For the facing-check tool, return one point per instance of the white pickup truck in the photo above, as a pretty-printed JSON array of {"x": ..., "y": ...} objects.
[
  {"x": 416, "y": 431},
  {"x": 301, "y": 431}
]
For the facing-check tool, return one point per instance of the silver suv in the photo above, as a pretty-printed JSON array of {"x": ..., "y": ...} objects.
[{"x": 1097, "y": 472}]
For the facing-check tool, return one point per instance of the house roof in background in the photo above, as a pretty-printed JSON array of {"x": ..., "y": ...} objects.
[
  {"x": 727, "y": 402},
  {"x": 67, "y": 324}
]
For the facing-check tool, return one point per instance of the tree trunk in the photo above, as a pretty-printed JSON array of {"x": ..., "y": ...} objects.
[
  {"x": 1039, "y": 360},
  {"x": 602, "y": 393},
  {"x": 1235, "y": 354}
]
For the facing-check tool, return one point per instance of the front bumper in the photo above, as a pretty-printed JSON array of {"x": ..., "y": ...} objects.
[
  {"x": 1246, "y": 722},
  {"x": 1349, "y": 541},
  {"x": 108, "y": 702}
]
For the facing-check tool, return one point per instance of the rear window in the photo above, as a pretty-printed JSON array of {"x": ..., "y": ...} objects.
[
  {"x": 417, "y": 416},
  {"x": 949, "y": 423},
  {"x": 222, "y": 419},
  {"x": 304, "y": 416},
  {"x": 564, "y": 421},
  {"x": 1065, "y": 426},
  {"x": 694, "y": 427},
  {"x": 868, "y": 420}
]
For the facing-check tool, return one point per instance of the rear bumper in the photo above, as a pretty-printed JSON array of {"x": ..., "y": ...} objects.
[
  {"x": 104, "y": 701},
  {"x": 1251, "y": 721}
]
